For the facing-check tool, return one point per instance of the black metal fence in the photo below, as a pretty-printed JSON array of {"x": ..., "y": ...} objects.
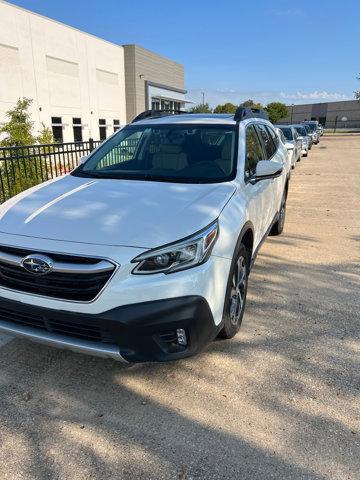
[{"x": 24, "y": 167}]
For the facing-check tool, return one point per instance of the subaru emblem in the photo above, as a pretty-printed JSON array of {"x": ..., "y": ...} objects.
[{"x": 37, "y": 264}]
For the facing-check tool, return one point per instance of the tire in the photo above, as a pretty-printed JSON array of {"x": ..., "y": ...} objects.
[
  {"x": 235, "y": 297},
  {"x": 278, "y": 226}
]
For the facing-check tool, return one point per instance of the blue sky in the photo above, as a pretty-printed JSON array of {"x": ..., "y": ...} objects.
[{"x": 292, "y": 51}]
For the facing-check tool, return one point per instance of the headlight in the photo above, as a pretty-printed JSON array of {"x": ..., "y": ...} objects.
[{"x": 186, "y": 253}]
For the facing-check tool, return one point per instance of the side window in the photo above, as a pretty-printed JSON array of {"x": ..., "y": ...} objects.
[
  {"x": 267, "y": 141},
  {"x": 273, "y": 135},
  {"x": 253, "y": 153}
]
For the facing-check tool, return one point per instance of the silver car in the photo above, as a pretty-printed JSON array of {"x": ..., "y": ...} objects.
[
  {"x": 292, "y": 139},
  {"x": 313, "y": 124},
  {"x": 301, "y": 130},
  {"x": 309, "y": 135}
]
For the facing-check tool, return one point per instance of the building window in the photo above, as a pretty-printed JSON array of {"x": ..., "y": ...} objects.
[
  {"x": 166, "y": 105},
  {"x": 155, "y": 104},
  {"x": 102, "y": 129},
  {"x": 77, "y": 129},
  {"x": 116, "y": 124},
  {"x": 57, "y": 129}
]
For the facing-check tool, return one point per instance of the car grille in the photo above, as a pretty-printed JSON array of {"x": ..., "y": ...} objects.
[
  {"x": 81, "y": 330},
  {"x": 82, "y": 280}
]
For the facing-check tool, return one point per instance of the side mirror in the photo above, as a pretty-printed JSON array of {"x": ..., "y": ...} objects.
[
  {"x": 83, "y": 159},
  {"x": 289, "y": 146},
  {"x": 268, "y": 169}
]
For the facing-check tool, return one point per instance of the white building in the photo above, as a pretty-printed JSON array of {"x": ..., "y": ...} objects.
[{"x": 76, "y": 80}]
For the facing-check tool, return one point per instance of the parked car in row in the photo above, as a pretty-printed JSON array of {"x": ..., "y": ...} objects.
[
  {"x": 293, "y": 142},
  {"x": 301, "y": 131},
  {"x": 289, "y": 147},
  {"x": 144, "y": 251},
  {"x": 309, "y": 135},
  {"x": 313, "y": 125}
]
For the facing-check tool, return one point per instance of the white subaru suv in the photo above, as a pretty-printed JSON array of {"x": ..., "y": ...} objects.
[{"x": 143, "y": 252}]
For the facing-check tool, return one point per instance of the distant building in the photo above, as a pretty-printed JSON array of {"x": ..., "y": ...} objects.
[
  {"x": 328, "y": 114},
  {"x": 152, "y": 81},
  {"x": 82, "y": 86}
]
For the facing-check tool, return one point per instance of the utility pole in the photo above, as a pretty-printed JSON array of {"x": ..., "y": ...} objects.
[
  {"x": 292, "y": 111},
  {"x": 203, "y": 97}
]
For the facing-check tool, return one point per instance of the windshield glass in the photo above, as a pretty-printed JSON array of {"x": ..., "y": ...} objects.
[
  {"x": 301, "y": 131},
  {"x": 287, "y": 133},
  {"x": 178, "y": 153},
  {"x": 312, "y": 127}
]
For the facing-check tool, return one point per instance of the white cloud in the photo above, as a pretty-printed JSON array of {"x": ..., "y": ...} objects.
[
  {"x": 220, "y": 96},
  {"x": 324, "y": 95}
]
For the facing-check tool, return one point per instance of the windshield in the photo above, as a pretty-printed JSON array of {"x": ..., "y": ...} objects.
[
  {"x": 301, "y": 131},
  {"x": 312, "y": 127},
  {"x": 287, "y": 133},
  {"x": 171, "y": 153}
]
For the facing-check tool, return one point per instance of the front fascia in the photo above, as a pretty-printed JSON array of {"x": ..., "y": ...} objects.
[{"x": 125, "y": 288}]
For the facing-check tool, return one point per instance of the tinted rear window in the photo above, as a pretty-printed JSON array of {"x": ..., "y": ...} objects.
[{"x": 287, "y": 133}]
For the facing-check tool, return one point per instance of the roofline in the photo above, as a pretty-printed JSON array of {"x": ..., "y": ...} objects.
[
  {"x": 60, "y": 23},
  {"x": 135, "y": 45},
  {"x": 323, "y": 103}
]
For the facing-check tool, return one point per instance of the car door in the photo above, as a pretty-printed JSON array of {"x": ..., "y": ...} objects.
[
  {"x": 258, "y": 193},
  {"x": 270, "y": 154},
  {"x": 279, "y": 155}
]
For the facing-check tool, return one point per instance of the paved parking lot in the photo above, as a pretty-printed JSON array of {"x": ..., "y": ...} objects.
[{"x": 280, "y": 401}]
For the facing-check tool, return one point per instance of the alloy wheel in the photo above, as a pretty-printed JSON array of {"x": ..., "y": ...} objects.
[{"x": 238, "y": 290}]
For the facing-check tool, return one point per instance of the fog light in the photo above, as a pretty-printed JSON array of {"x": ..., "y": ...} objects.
[{"x": 181, "y": 337}]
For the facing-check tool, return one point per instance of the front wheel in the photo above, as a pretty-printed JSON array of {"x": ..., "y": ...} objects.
[{"x": 235, "y": 294}]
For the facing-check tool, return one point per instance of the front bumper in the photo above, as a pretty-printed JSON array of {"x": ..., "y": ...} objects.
[{"x": 132, "y": 333}]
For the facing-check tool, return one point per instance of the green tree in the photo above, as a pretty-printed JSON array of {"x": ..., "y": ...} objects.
[
  {"x": 201, "y": 108},
  {"x": 251, "y": 104},
  {"x": 45, "y": 135},
  {"x": 20, "y": 167},
  {"x": 18, "y": 130},
  {"x": 225, "y": 108},
  {"x": 276, "y": 111}
]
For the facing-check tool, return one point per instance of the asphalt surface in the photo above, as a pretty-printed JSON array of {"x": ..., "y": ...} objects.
[{"x": 279, "y": 401}]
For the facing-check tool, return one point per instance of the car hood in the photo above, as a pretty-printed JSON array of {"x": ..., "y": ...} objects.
[{"x": 114, "y": 212}]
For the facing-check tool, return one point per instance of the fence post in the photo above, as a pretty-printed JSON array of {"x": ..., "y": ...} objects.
[{"x": 91, "y": 144}]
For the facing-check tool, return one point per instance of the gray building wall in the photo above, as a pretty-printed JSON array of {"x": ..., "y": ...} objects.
[
  {"x": 144, "y": 68},
  {"x": 328, "y": 113}
]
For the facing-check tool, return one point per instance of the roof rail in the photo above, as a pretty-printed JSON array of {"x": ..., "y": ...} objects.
[
  {"x": 156, "y": 114},
  {"x": 245, "y": 112}
]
